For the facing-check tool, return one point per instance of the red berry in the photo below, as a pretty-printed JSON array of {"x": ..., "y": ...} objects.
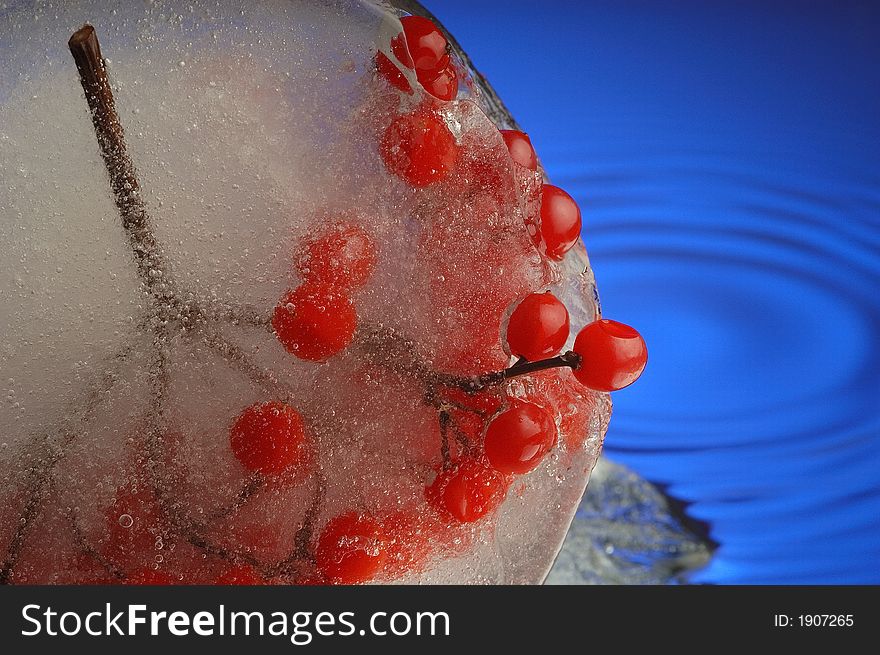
[
  {"x": 467, "y": 317},
  {"x": 442, "y": 84},
  {"x": 269, "y": 438},
  {"x": 538, "y": 327},
  {"x": 567, "y": 400},
  {"x": 240, "y": 575},
  {"x": 560, "y": 221},
  {"x": 419, "y": 148},
  {"x": 520, "y": 147},
  {"x": 519, "y": 437},
  {"x": 150, "y": 577},
  {"x": 342, "y": 257},
  {"x": 314, "y": 323},
  {"x": 391, "y": 73},
  {"x": 389, "y": 70},
  {"x": 468, "y": 491},
  {"x": 351, "y": 549},
  {"x": 425, "y": 42},
  {"x": 400, "y": 50},
  {"x": 132, "y": 523},
  {"x": 613, "y": 355}
]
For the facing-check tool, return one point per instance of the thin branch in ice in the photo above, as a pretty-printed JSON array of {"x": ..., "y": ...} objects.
[{"x": 124, "y": 184}]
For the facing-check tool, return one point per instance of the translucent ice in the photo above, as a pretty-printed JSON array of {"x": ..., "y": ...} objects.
[
  {"x": 626, "y": 531},
  {"x": 130, "y": 351}
]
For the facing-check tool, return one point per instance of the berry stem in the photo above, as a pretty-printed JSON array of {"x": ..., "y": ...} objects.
[
  {"x": 303, "y": 538},
  {"x": 569, "y": 359},
  {"x": 72, "y": 517},
  {"x": 86, "y": 53},
  {"x": 256, "y": 484},
  {"x": 45, "y": 456}
]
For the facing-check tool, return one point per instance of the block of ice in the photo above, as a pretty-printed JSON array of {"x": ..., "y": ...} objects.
[{"x": 196, "y": 386}]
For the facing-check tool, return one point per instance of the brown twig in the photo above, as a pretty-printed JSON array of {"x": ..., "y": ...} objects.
[
  {"x": 86, "y": 53},
  {"x": 46, "y": 456},
  {"x": 384, "y": 346},
  {"x": 569, "y": 359},
  {"x": 256, "y": 484}
]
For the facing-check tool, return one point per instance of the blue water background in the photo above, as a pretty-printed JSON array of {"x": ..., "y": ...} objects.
[{"x": 727, "y": 159}]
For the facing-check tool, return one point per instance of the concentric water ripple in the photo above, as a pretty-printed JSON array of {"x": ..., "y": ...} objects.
[
  {"x": 760, "y": 302},
  {"x": 726, "y": 158}
]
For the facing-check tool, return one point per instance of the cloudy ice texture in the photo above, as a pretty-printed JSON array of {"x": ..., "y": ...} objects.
[{"x": 247, "y": 123}]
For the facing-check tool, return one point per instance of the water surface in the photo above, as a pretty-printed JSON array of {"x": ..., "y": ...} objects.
[{"x": 727, "y": 159}]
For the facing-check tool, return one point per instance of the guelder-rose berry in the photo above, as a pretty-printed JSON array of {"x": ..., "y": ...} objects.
[
  {"x": 538, "y": 327},
  {"x": 425, "y": 42},
  {"x": 351, "y": 549},
  {"x": 314, "y": 322},
  {"x": 269, "y": 438},
  {"x": 342, "y": 257},
  {"x": 518, "y": 438},
  {"x": 468, "y": 491},
  {"x": 520, "y": 148},
  {"x": 389, "y": 70},
  {"x": 130, "y": 524},
  {"x": 613, "y": 355},
  {"x": 421, "y": 47},
  {"x": 391, "y": 73},
  {"x": 442, "y": 84},
  {"x": 419, "y": 148},
  {"x": 560, "y": 221}
]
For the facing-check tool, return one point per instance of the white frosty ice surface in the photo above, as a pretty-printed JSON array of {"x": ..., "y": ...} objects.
[{"x": 248, "y": 123}]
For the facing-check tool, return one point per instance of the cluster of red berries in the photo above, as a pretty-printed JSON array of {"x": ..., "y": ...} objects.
[
  {"x": 518, "y": 437},
  {"x": 419, "y": 147},
  {"x": 317, "y": 320},
  {"x": 422, "y": 49}
]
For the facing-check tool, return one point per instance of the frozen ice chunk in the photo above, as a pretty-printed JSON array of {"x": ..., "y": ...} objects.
[
  {"x": 252, "y": 354},
  {"x": 626, "y": 531}
]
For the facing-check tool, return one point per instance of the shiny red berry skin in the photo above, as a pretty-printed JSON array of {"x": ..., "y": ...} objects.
[
  {"x": 400, "y": 50},
  {"x": 269, "y": 438},
  {"x": 468, "y": 491},
  {"x": 419, "y": 148},
  {"x": 391, "y": 73},
  {"x": 613, "y": 355},
  {"x": 352, "y": 549},
  {"x": 424, "y": 50},
  {"x": 427, "y": 45},
  {"x": 442, "y": 84},
  {"x": 388, "y": 70},
  {"x": 518, "y": 438},
  {"x": 314, "y": 322},
  {"x": 538, "y": 327},
  {"x": 520, "y": 148},
  {"x": 560, "y": 221},
  {"x": 342, "y": 257},
  {"x": 242, "y": 575}
]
